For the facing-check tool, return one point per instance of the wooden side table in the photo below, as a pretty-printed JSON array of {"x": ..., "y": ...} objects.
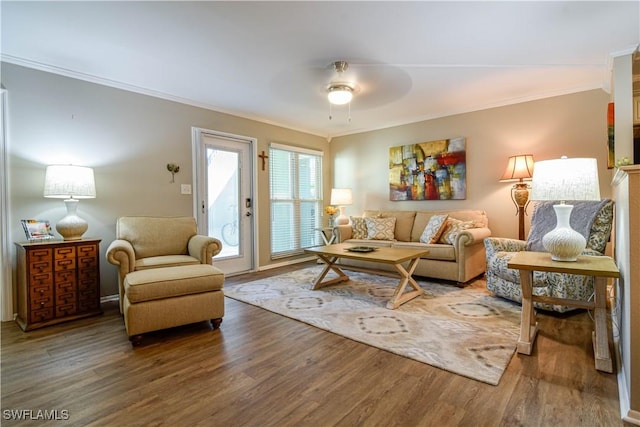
[
  {"x": 601, "y": 267},
  {"x": 58, "y": 281}
]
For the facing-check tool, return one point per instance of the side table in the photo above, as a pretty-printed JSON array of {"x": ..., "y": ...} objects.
[
  {"x": 328, "y": 234},
  {"x": 601, "y": 267},
  {"x": 57, "y": 281}
]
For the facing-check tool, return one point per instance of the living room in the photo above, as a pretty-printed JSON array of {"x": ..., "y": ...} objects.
[{"x": 128, "y": 136}]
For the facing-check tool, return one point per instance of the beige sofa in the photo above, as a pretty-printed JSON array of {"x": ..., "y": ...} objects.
[{"x": 459, "y": 262}]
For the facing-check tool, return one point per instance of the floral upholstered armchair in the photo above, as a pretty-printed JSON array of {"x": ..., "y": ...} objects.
[{"x": 593, "y": 219}]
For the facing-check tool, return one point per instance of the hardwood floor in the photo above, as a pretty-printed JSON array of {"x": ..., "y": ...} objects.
[{"x": 262, "y": 369}]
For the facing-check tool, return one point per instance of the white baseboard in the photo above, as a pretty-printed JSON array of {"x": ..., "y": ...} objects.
[
  {"x": 284, "y": 264},
  {"x": 109, "y": 298},
  {"x": 626, "y": 413},
  {"x": 632, "y": 417}
]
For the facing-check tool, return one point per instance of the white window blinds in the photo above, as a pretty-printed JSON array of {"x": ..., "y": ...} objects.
[{"x": 295, "y": 177}]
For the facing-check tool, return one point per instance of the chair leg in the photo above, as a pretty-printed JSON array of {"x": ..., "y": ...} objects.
[
  {"x": 136, "y": 340},
  {"x": 216, "y": 323}
]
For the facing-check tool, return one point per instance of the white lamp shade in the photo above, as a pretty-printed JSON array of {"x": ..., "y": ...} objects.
[
  {"x": 69, "y": 182},
  {"x": 565, "y": 179},
  {"x": 341, "y": 196}
]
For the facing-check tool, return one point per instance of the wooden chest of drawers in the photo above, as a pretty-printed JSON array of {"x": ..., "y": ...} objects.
[{"x": 58, "y": 281}]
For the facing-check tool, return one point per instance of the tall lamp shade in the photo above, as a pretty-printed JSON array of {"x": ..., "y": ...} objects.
[
  {"x": 563, "y": 180},
  {"x": 70, "y": 183},
  {"x": 519, "y": 168},
  {"x": 341, "y": 197}
]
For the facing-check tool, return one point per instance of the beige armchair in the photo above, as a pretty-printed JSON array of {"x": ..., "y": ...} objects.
[{"x": 153, "y": 242}]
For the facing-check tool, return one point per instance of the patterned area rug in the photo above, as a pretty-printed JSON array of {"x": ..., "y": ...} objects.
[{"x": 464, "y": 331}]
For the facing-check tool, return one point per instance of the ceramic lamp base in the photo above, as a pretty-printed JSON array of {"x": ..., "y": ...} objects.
[
  {"x": 563, "y": 242},
  {"x": 342, "y": 219},
  {"x": 71, "y": 227}
]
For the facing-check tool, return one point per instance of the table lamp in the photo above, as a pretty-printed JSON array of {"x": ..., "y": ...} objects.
[
  {"x": 341, "y": 197},
  {"x": 70, "y": 183},
  {"x": 564, "y": 180},
  {"x": 519, "y": 168}
]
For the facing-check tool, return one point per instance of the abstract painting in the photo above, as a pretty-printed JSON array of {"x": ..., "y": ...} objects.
[{"x": 433, "y": 170}]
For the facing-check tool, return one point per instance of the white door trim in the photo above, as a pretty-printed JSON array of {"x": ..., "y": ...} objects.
[
  {"x": 6, "y": 285},
  {"x": 196, "y": 137}
]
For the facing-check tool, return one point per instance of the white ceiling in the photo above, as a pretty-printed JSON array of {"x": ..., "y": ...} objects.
[{"x": 270, "y": 61}]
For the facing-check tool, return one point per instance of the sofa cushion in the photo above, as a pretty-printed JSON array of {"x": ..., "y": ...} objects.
[
  {"x": 436, "y": 251},
  {"x": 404, "y": 222},
  {"x": 478, "y": 217},
  {"x": 452, "y": 228},
  {"x": 359, "y": 227},
  {"x": 434, "y": 229},
  {"x": 380, "y": 228}
]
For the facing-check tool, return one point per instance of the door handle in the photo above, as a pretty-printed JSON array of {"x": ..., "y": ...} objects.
[{"x": 248, "y": 214}]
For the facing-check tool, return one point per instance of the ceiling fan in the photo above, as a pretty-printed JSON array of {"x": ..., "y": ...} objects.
[
  {"x": 340, "y": 92},
  {"x": 368, "y": 84},
  {"x": 373, "y": 83}
]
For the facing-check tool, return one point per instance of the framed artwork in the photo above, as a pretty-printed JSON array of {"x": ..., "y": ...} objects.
[
  {"x": 611, "y": 146},
  {"x": 433, "y": 170},
  {"x": 37, "y": 229}
]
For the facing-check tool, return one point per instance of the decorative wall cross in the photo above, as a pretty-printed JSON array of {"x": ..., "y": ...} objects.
[{"x": 263, "y": 157}]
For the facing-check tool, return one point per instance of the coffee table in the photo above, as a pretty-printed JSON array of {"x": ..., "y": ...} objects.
[{"x": 330, "y": 254}]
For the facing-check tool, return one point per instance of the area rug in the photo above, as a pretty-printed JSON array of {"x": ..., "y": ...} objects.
[{"x": 466, "y": 331}]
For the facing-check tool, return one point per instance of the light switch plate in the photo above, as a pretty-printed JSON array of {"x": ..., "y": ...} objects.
[{"x": 185, "y": 188}]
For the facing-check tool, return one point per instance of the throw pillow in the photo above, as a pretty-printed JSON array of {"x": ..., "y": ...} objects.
[
  {"x": 434, "y": 228},
  {"x": 359, "y": 227},
  {"x": 380, "y": 228},
  {"x": 452, "y": 229}
]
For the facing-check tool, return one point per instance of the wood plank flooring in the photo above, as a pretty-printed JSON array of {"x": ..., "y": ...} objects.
[{"x": 262, "y": 369}]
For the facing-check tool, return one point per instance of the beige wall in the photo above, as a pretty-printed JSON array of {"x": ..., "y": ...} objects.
[
  {"x": 572, "y": 125},
  {"x": 128, "y": 139}
]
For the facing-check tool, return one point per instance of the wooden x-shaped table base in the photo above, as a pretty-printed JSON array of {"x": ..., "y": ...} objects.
[{"x": 387, "y": 256}]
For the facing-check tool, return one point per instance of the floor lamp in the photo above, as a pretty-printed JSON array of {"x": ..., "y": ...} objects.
[{"x": 519, "y": 168}]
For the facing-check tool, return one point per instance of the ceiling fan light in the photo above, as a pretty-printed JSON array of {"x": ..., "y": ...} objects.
[{"x": 340, "y": 94}]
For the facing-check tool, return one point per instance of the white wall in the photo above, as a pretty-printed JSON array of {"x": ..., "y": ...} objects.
[{"x": 573, "y": 125}]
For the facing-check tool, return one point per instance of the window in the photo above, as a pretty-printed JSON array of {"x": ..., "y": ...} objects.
[{"x": 295, "y": 177}]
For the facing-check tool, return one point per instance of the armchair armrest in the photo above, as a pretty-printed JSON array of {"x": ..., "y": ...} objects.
[
  {"x": 120, "y": 252},
  {"x": 204, "y": 248},
  {"x": 503, "y": 244}
]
